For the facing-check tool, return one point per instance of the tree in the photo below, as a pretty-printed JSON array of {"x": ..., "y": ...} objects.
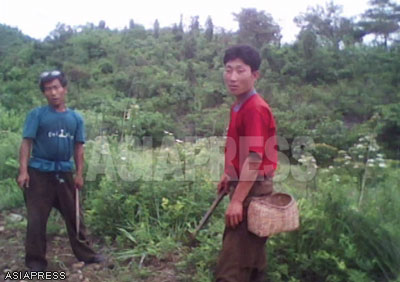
[
  {"x": 131, "y": 24},
  {"x": 177, "y": 34},
  {"x": 156, "y": 29},
  {"x": 194, "y": 25},
  {"x": 11, "y": 39},
  {"x": 102, "y": 24},
  {"x": 190, "y": 74},
  {"x": 309, "y": 43},
  {"x": 209, "y": 29},
  {"x": 382, "y": 19},
  {"x": 177, "y": 30},
  {"x": 328, "y": 25},
  {"x": 189, "y": 47},
  {"x": 180, "y": 27},
  {"x": 257, "y": 28},
  {"x": 61, "y": 33}
]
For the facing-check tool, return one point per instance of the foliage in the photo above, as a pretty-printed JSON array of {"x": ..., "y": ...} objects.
[
  {"x": 9, "y": 142},
  {"x": 335, "y": 241},
  {"x": 328, "y": 26},
  {"x": 12, "y": 195},
  {"x": 165, "y": 84},
  {"x": 324, "y": 154},
  {"x": 382, "y": 19},
  {"x": 11, "y": 39},
  {"x": 389, "y": 126},
  {"x": 257, "y": 28}
]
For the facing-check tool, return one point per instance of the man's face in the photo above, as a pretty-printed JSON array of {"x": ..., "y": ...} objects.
[
  {"x": 238, "y": 77},
  {"x": 55, "y": 93}
]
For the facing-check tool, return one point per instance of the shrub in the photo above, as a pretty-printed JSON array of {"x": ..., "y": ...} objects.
[{"x": 324, "y": 154}]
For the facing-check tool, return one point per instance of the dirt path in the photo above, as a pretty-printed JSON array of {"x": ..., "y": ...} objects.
[{"x": 61, "y": 258}]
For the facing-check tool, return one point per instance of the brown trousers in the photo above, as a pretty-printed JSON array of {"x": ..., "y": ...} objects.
[
  {"x": 47, "y": 190},
  {"x": 243, "y": 258}
]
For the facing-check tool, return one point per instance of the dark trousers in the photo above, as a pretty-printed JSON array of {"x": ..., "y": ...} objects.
[
  {"x": 243, "y": 258},
  {"x": 47, "y": 190}
]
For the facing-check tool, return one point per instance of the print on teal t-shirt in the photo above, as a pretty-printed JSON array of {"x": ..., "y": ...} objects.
[{"x": 54, "y": 135}]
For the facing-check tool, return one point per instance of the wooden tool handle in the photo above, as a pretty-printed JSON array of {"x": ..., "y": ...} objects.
[
  {"x": 77, "y": 213},
  {"x": 209, "y": 212}
]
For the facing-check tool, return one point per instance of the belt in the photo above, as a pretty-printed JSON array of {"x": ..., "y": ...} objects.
[
  {"x": 259, "y": 188},
  {"x": 46, "y": 165}
]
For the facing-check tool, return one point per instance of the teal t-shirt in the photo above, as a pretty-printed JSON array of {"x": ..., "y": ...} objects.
[{"x": 54, "y": 135}]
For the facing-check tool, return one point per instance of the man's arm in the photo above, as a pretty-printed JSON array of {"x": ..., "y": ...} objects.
[
  {"x": 24, "y": 155},
  {"x": 79, "y": 161},
  {"x": 234, "y": 212}
]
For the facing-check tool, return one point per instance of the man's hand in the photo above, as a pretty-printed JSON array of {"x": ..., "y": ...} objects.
[
  {"x": 223, "y": 185},
  {"x": 78, "y": 182},
  {"x": 234, "y": 214},
  {"x": 23, "y": 180}
]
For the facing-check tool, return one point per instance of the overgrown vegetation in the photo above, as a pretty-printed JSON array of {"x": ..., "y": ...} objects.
[{"x": 165, "y": 83}]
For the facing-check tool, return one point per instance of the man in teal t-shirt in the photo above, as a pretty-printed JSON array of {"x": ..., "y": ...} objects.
[{"x": 53, "y": 134}]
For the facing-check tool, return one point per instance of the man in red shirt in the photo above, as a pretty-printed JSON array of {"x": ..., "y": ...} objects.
[{"x": 250, "y": 162}]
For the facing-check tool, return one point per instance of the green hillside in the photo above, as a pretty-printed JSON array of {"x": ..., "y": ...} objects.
[{"x": 335, "y": 94}]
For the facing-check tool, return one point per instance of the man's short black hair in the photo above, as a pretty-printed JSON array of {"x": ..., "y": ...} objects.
[
  {"x": 246, "y": 53},
  {"x": 48, "y": 76}
]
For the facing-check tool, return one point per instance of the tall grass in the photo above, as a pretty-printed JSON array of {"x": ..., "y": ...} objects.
[{"x": 338, "y": 239}]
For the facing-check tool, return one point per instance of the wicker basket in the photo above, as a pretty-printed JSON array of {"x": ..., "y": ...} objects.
[{"x": 272, "y": 214}]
